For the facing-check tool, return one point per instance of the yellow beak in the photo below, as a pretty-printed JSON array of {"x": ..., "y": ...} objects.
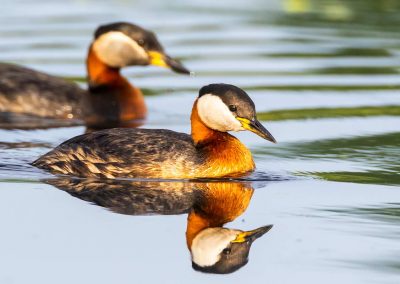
[
  {"x": 256, "y": 127},
  {"x": 251, "y": 235},
  {"x": 163, "y": 60}
]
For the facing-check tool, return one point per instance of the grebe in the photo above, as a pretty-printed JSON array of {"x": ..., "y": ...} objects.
[
  {"x": 210, "y": 205},
  {"x": 110, "y": 97},
  {"x": 209, "y": 152}
]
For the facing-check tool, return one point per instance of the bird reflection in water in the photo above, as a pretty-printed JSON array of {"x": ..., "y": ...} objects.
[{"x": 209, "y": 205}]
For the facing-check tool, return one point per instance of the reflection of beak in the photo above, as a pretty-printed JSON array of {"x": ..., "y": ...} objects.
[
  {"x": 163, "y": 60},
  {"x": 251, "y": 236},
  {"x": 256, "y": 127}
]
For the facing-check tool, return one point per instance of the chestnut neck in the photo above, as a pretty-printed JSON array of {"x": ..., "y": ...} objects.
[
  {"x": 100, "y": 74},
  {"x": 113, "y": 96},
  {"x": 196, "y": 222},
  {"x": 201, "y": 133}
]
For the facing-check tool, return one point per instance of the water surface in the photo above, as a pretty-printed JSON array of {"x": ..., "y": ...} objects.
[{"x": 325, "y": 79}]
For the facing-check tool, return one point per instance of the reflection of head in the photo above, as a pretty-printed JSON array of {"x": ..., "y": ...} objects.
[
  {"x": 221, "y": 250},
  {"x": 215, "y": 249}
]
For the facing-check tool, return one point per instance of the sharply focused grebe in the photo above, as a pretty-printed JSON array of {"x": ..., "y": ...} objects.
[
  {"x": 210, "y": 205},
  {"x": 157, "y": 153},
  {"x": 110, "y": 97}
]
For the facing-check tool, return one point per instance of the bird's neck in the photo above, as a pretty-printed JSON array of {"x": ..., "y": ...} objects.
[
  {"x": 196, "y": 222},
  {"x": 201, "y": 133},
  {"x": 219, "y": 203},
  {"x": 101, "y": 74},
  {"x": 108, "y": 87},
  {"x": 224, "y": 153}
]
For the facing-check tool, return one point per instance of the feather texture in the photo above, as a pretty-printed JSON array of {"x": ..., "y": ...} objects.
[
  {"x": 146, "y": 153},
  {"x": 23, "y": 90}
]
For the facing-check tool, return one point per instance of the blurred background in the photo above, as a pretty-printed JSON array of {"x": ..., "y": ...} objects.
[{"x": 324, "y": 75}]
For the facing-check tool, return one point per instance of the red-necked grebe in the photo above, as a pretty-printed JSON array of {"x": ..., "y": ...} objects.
[
  {"x": 110, "y": 97},
  {"x": 158, "y": 153}
]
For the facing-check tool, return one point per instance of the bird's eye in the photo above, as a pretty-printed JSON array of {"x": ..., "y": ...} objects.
[
  {"x": 141, "y": 42},
  {"x": 232, "y": 108},
  {"x": 226, "y": 251}
]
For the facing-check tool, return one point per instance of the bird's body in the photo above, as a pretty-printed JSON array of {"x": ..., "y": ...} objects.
[
  {"x": 209, "y": 152},
  {"x": 23, "y": 90},
  {"x": 146, "y": 153},
  {"x": 29, "y": 92},
  {"x": 110, "y": 101}
]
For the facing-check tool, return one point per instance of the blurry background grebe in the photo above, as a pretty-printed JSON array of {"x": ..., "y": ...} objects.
[{"x": 324, "y": 76}]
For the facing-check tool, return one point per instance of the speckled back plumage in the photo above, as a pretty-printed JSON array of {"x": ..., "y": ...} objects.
[
  {"x": 121, "y": 152},
  {"x": 23, "y": 90}
]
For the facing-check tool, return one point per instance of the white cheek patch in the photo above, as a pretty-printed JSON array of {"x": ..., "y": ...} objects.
[
  {"x": 117, "y": 49},
  {"x": 216, "y": 114},
  {"x": 209, "y": 243}
]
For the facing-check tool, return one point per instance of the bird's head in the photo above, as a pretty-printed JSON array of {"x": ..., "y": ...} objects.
[
  {"x": 221, "y": 250},
  {"x": 124, "y": 44},
  {"x": 225, "y": 107}
]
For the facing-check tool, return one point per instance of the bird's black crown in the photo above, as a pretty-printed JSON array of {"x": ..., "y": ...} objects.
[
  {"x": 143, "y": 37},
  {"x": 234, "y": 97}
]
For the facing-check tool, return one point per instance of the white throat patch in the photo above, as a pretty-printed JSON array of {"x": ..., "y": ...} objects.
[
  {"x": 216, "y": 114},
  {"x": 117, "y": 49},
  {"x": 209, "y": 243}
]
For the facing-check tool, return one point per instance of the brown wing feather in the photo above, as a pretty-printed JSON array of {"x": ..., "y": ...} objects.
[
  {"x": 122, "y": 152},
  {"x": 23, "y": 90}
]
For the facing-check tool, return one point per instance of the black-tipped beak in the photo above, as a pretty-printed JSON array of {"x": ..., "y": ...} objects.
[
  {"x": 163, "y": 60},
  {"x": 176, "y": 66},
  {"x": 256, "y": 127},
  {"x": 251, "y": 236}
]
